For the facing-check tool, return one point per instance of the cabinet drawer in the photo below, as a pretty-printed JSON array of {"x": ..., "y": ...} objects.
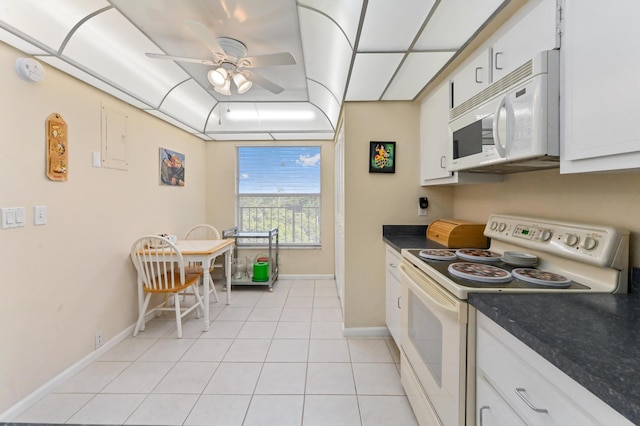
[
  {"x": 393, "y": 260},
  {"x": 535, "y": 398},
  {"x": 536, "y": 390},
  {"x": 492, "y": 409}
]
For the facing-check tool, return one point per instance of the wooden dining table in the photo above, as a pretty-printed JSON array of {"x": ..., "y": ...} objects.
[{"x": 203, "y": 252}]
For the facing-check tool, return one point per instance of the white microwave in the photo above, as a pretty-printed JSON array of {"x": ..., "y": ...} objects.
[{"x": 511, "y": 126}]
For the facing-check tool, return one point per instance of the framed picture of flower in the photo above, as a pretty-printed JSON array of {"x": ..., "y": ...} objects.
[{"x": 382, "y": 157}]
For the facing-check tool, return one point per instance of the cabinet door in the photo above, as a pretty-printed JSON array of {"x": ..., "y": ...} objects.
[
  {"x": 531, "y": 30},
  {"x": 600, "y": 86},
  {"x": 434, "y": 135},
  {"x": 472, "y": 77},
  {"x": 491, "y": 409},
  {"x": 393, "y": 291}
]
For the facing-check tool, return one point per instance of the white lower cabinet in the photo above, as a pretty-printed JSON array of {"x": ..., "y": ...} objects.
[
  {"x": 393, "y": 291},
  {"x": 534, "y": 391},
  {"x": 492, "y": 409}
]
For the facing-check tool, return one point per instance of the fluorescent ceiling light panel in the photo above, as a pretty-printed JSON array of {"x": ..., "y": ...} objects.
[
  {"x": 49, "y": 22},
  {"x": 390, "y": 27},
  {"x": 345, "y": 13},
  {"x": 416, "y": 71},
  {"x": 271, "y": 115},
  {"x": 328, "y": 57},
  {"x": 371, "y": 74},
  {"x": 463, "y": 15},
  {"x": 189, "y": 103}
]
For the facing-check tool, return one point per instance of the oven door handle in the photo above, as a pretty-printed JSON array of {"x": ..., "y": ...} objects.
[{"x": 435, "y": 296}]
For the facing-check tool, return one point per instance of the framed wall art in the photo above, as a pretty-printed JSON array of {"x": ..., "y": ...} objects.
[
  {"x": 171, "y": 168},
  {"x": 382, "y": 157}
]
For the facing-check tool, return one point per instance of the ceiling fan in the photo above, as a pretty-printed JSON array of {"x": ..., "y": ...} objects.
[{"x": 230, "y": 62}]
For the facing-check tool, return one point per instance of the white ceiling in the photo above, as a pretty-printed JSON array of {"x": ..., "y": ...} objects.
[{"x": 345, "y": 50}]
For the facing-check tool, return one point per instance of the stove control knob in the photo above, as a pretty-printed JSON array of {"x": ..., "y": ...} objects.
[
  {"x": 546, "y": 235},
  {"x": 589, "y": 243},
  {"x": 502, "y": 226},
  {"x": 571, "y": 240},
  {"x": 493, "y": 225}
]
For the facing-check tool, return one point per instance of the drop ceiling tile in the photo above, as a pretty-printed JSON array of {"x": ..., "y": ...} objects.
[
  {"x": 50, "y": 21},
  {"x": 320, "y": 136},
  {"x": 189, "y": 103},
  {"x": 119, "y": 57},
  {"x": 320, "y": 96},
  {"x": 91, "y": 79},
  {"x": 327, "y": 53},
  {"x": 242, "y": 137},
  {"x": 345, "y": 13},
  {"x": 371, "y": 74},
  {"x": 416, "y": 71},
  {"x": 466, "y": 17},
  {"x": 389, "y": 27}
]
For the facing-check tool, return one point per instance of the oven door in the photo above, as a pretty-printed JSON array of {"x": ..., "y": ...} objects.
[{"x": 434, "y": 342}]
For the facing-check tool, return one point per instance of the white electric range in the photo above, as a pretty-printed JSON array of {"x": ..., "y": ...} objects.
[{"x": 526, "y": 255}]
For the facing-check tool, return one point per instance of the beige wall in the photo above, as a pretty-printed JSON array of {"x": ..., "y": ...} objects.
[
  {"x": 600, "y": 198},
  {"x": 373, "y": 200},
  {"x": 221, "y": 173},
  {"x": 64, "y": 281}
]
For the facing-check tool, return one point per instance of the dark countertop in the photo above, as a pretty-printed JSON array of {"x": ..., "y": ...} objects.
[
  {"x": 407, "y": 236},
  {"x": 593, "y": 338}
]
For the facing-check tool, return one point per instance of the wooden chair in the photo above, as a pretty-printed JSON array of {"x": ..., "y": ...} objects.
[
  {"x": 204, "y": 232},
  {"x": 161, "y": 270}
]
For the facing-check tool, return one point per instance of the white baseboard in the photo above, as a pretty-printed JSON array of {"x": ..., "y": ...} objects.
[
  {"x": 365, "y": 331},
  {"x": 27, "y": 402}
]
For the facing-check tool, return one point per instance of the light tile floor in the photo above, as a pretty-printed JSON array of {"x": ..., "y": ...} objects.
[{"x": 270, "y": 358}]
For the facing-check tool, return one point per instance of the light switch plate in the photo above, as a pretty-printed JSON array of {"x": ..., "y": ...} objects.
[
  {"x": 96, "y": 159},
  {"x": 12, "y": 217},
  {"x": 39, "y": 215}
]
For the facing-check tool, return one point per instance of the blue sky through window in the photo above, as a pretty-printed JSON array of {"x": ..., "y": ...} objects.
[{"x": 279, "y": 170}]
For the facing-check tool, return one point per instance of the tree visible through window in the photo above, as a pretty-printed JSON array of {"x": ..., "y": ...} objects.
[{"x": 280, "y": 187}]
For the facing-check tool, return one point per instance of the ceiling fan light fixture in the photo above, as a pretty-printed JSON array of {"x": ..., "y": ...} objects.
[
  {"x": 218, "y": 77},
  {"x": 242, "y": 83},
  {"x": 225, "y": 89}
]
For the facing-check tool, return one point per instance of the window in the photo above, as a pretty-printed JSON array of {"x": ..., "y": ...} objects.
[{"x": 280, "y": 187}]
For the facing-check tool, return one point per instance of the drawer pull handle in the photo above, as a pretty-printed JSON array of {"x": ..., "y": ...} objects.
[
  {"x": 520, "y": 393},
  {"x": 399, "y": 303},
  {"x": 478, "y": 79},
  {"x": 486, "y": 407}
]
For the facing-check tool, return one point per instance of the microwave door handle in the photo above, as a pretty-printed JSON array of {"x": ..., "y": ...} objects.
[{"x": 501, "y": 146}]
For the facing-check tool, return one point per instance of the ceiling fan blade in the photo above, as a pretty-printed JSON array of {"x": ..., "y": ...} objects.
[
  {"x": 181, "y": 59},
  {"x": 207, "y": 38},
  {"x": 269, "y": 60},
  {"x": 263, "y": 82}
]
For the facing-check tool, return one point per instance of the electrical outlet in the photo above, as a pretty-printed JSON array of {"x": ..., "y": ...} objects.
[
  {"x": 99, "y": 339},
  {"x": 422, "y": 212}
]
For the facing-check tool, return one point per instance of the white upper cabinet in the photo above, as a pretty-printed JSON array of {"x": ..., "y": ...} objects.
[
  {"x": 532, "y": 29},
  {"x": 434, "y": 116},
  {"x": 600, "y": 86},
  {"x": 472, "y": 77}
]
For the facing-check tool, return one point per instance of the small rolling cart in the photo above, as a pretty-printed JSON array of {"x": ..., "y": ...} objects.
[{"x": 261, "y": 269}]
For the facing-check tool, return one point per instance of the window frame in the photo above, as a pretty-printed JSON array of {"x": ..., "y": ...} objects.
[{"x": 262, "y": 243}]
